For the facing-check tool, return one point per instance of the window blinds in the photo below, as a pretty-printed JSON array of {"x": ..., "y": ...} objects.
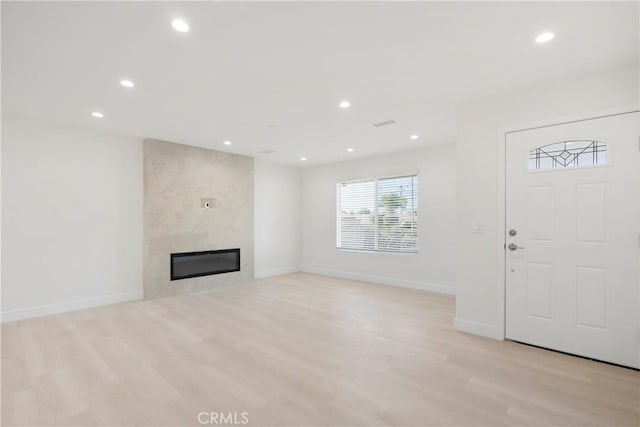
[{"x": 379, "y": 214}]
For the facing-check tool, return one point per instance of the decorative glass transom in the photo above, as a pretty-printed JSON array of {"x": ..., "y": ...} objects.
[{"x": 568, "y": 154}]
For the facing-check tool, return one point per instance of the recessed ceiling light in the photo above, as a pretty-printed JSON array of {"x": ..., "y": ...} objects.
[
  {"x": 414, "y": 137},
  {"x": 180, "y": 25},
  {"x": 345, "y": 104},
  {"x": 227, "y": 143},
  {"x": 303, "y": 158},
  {"x": 97, "y": 114},
  {"x": 127, "y": 83},
  {"x": 350, "y": 150},
  {"x": 544, "y": 37}
]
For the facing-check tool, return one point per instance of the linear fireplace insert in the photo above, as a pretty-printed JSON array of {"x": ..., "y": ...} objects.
[{"x": 204, "y": 263}]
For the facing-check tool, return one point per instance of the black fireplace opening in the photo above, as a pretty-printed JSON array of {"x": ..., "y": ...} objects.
[{"x": 204, "y": 263}]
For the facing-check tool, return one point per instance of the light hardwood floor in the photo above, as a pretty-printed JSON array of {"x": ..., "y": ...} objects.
[{"x": 296, "y": 350}]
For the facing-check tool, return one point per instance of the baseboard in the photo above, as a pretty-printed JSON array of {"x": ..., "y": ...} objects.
[
  {"x": 44, "y": 310},
  {"x": 275, "y": 272},
  {"x": 477, "y": 328},
  {"x": 382, "y": 280}
]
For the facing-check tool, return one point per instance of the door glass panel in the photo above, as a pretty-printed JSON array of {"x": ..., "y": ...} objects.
[{"x": 568, "y": 154}]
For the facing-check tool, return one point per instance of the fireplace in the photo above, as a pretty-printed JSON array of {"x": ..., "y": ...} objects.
[{"x": 195, "y": 264}]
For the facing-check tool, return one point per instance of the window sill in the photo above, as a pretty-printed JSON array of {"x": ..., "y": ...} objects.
[{"x": 378, "y": 251}]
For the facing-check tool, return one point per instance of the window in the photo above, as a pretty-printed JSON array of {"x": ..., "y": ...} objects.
[
  {"x": 379, "y": 214},
  {"x": 568, "y": 154}
]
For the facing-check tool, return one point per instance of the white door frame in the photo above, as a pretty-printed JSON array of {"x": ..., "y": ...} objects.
[{"x": 502, "y": 189}]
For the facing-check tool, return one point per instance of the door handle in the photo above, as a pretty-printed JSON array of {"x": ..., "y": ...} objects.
[{"x": 513, "y": 247}]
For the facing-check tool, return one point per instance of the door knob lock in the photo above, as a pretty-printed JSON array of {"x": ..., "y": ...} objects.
[{"x": 513, "y": 247}]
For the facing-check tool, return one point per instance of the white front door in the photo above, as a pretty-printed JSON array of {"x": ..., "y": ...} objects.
[{"x": 573, "y": 238}]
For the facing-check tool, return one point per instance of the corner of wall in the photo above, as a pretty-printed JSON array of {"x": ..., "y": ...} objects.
[
  {"x": 478, "y": 328},
  {"x": 276, "y": 272}
]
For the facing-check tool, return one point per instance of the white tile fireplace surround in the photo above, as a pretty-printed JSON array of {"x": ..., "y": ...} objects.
[{"x": 195, "y": 200}]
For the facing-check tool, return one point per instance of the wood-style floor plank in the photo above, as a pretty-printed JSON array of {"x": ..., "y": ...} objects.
[{"x": 296, "y": 350}]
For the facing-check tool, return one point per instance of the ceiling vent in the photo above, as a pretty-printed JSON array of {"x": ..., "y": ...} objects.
[
  {"x": 385, "y": 123},
  {"x": 267, "y": 151}
]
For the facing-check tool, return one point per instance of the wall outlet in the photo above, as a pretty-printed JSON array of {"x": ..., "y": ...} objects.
[
  {"x": 207, "y": 203},
  {"x": 477, "y": 228}
]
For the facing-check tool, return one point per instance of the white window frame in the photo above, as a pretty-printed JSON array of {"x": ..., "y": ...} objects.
[{"x": 375, "y": 180}]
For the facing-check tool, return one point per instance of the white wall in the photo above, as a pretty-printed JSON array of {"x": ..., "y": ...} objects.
[
  {"x": 478, "y": 281},
  {"x": 277, "y": 219},
  {"x": 71, "y": 218},
  {"x": 433, "y": 268}
]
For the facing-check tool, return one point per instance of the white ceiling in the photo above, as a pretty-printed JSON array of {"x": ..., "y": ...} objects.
[{"x": 270, "y": 75}]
